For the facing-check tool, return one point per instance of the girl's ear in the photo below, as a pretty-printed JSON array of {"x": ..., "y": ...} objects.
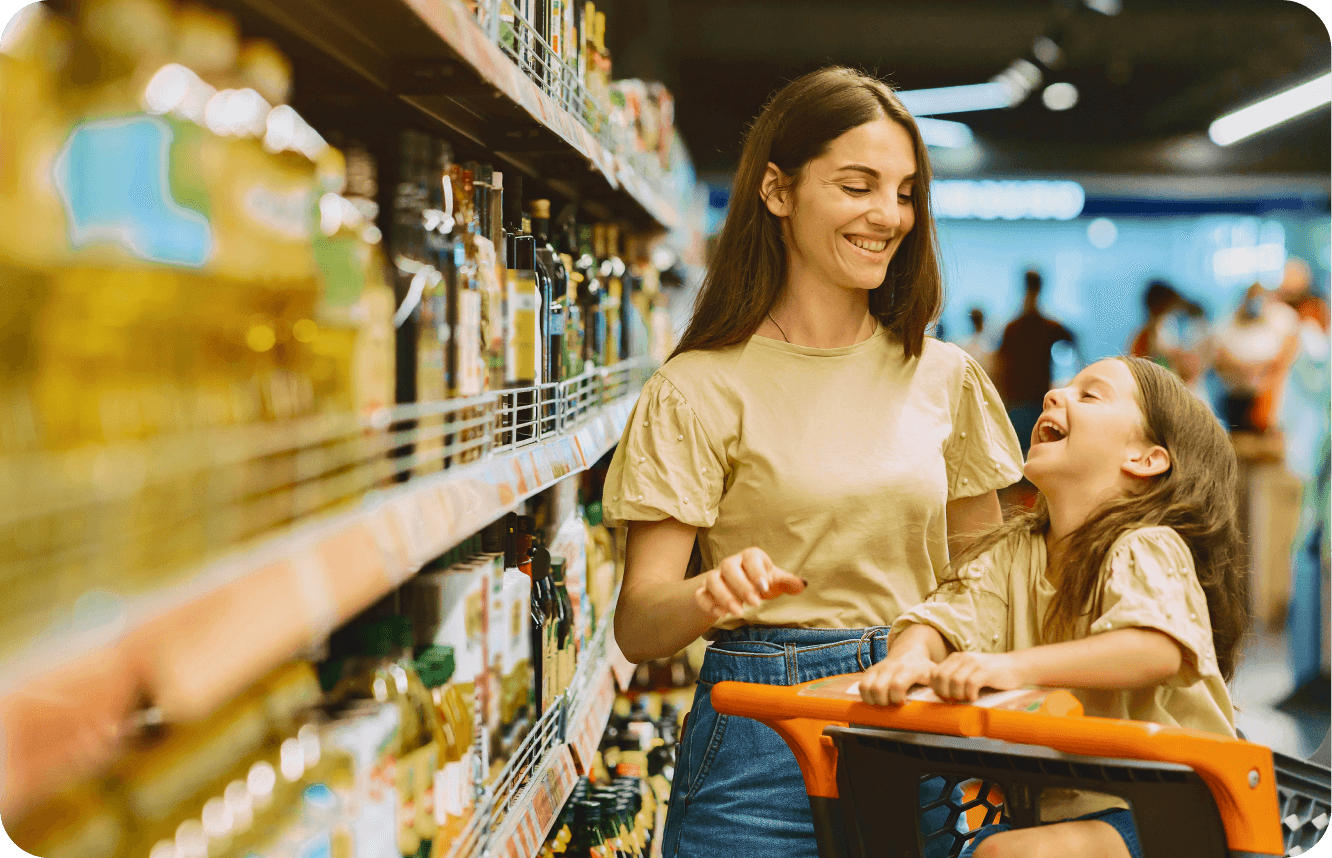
[
  {"x": 1147, "y": 462},
  {"x": 774, "y": 191}
]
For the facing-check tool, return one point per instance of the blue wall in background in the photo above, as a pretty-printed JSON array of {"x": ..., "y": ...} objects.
[{"x": 1097, "y": 292}]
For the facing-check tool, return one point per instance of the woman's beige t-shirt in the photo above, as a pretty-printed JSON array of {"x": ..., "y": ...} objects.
[
  {"x": 836, "y": 462},
  {"x": 1148, "y": 581}
]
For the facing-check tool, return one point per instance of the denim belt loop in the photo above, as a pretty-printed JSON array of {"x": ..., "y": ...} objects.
[{"x": 867, "y": 636}]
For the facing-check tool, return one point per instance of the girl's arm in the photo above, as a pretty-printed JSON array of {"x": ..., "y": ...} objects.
[
  {"x": 912, "y": 655},
  {"x": 1123, "y": 659},
  {"x": 969, "y": 517}
]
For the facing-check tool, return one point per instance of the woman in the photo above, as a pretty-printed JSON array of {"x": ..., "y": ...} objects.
[{"x": 823, "y": 454}]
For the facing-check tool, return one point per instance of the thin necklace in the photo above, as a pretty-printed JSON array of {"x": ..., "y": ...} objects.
[{"x": 779, "y": 327}]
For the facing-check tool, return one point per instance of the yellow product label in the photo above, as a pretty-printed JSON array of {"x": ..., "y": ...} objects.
[
  {"x": 524, "y": 344},
  {"x": 373, "y": 355},
  {"x": 474, "y": 618}
]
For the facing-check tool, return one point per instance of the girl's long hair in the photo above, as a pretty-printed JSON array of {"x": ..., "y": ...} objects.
[
  {"x": 748, "y": 267},
  {"x": 1196, "y": 497}
]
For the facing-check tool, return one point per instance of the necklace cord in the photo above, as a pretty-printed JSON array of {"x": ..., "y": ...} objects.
[{"x": 779, "y": 327}]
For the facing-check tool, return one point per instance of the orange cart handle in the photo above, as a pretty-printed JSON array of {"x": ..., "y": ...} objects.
[{"x": 1238, "y": 773}]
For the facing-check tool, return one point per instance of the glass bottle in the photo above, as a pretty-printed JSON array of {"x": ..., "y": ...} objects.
[
  {"x": 555, "y": 322},
  {"x": 610, "y": 300},
  {"x": 590, "y": 296}
]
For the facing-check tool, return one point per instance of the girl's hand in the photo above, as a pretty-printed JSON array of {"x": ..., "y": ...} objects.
[
  {"x": 888, "y": 682},
  {"x": 747, "y": 578},
  {"x": 963, "y": 675}
]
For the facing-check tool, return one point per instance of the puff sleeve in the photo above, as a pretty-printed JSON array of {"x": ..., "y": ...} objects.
[
  {"x": 665, "y": 466},
  {"x": 1151, "y": 584},
  {"x": 971, "y": 613},
  {"x": 982, "y": 453}
]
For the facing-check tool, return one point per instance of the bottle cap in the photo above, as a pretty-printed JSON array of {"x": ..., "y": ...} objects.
[
  {"x": 435, "y": 665},
  {"x": 541, "y": 563}
]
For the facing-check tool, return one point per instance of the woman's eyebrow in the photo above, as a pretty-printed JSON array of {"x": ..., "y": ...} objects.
[{"x": 859, "y": 168}]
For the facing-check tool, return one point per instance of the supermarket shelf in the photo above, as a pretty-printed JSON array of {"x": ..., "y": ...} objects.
[
  {"x": 187, "y": 648},
  {"x": 518, "y": 810},
  {"x": 434, "y": 57}
]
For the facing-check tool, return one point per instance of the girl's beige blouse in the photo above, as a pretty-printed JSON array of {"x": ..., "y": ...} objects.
[
  {"x": 836, "y": 462},
  {"x": 1148, "y": 581}
]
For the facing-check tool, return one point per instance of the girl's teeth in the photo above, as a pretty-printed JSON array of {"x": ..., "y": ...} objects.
[{"x": 871, "y": 246}]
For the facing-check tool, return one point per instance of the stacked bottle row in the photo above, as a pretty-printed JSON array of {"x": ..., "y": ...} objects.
[
  {"x": 497, "y": 293},
  {"x": 617, "y": 811},
  {"x": 561, "y": 45},
  {"x": 382, "y": 747},
  {"x": 186, "y": 262},
  {"x": 206, "y": 301},
  {"x": 179, "y": 251}
]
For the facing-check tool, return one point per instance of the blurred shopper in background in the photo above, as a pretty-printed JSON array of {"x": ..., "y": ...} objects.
[
  {"x": 1176, "y": 335},
  {"x": 1255, "y": 347},
  {"x": 980, "y": 345},
  {"x": 1303, "y": 417},
  {"x": 1022, "y": 363}
]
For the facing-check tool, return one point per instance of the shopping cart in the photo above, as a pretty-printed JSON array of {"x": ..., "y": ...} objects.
[{"x": 1191, "y": 793}]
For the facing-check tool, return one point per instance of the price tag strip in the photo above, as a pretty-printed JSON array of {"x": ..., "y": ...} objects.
[
  {"x": 589, "y": 723},
  {"x": 535, "y": 808}
]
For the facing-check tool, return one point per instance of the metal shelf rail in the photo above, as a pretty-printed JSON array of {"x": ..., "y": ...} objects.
[{"x": 254, "y": 544}]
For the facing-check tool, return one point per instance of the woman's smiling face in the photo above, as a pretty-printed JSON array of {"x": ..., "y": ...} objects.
[{"x": 852, "y": 207}]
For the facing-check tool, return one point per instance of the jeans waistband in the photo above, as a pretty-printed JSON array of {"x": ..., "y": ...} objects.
[{"x": 775, "y": 655}]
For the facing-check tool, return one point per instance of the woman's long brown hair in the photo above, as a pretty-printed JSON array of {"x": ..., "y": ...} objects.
[
  {"x": 748, "y": 267},
  {"x": 1196, "y": 497}
]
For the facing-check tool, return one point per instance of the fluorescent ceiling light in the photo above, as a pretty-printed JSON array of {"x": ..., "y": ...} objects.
[
  {"x": 944, "y": 132},
  {"x": 1060, "y": 96},
  {"x": 1271, "y": 111},
  {"x": 957, "y": 99},
  {"x": 1006, "y": 200}
]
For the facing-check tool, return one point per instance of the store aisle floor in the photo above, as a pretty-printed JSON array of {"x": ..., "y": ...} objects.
[{"x": 1262, "y": 681}]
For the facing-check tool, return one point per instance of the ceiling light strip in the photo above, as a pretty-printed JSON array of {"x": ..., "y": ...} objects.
[{"x": 1271, "y": 111}]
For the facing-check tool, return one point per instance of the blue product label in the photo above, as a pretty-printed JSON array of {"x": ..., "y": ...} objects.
[{"x": 112, "y": 176}]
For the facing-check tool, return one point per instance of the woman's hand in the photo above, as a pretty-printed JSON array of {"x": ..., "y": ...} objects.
[
  {"x": 889, "y": 681},
  {"x": 747, "y": 578},
  {"x": 963, "y": 675}
]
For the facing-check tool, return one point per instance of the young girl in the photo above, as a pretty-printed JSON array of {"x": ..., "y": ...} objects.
[{"x": 1125, "y": 584}]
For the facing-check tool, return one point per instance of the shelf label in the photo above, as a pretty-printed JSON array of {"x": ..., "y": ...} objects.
[
  {"x": 392, "y": 544},
  {"x": 500, "y": 478},
  {"x": 541, "y": 466},
  {"x": 408, "y": 515},
  {"x": 523, "y": 484},
  {"x": 534, "y": 810},
  {"x": 588, "y": 725}
]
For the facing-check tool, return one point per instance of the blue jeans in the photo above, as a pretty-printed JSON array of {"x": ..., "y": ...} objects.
[
  {"x": 737, "y": 789},
  {"x": 1118, "y": 818}
]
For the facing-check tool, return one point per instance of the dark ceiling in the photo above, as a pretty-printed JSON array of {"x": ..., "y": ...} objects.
[{"x": 1151, "y": 78}]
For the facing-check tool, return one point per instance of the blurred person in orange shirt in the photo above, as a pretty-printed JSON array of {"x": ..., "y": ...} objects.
[{"x": 1255, "y": 348}]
